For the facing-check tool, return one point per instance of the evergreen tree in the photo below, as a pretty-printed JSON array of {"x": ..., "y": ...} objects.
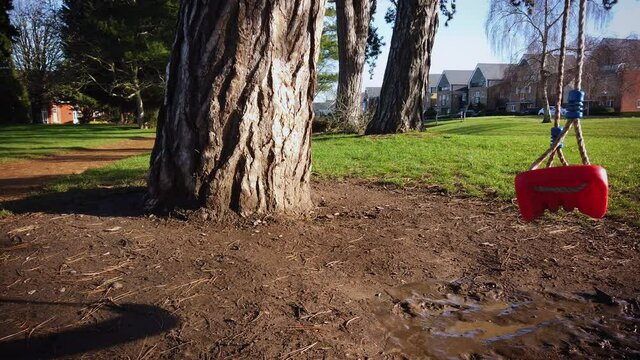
[
  {"x": 14, "y": 101},
  {"x": 327, "y": 76},
  {"x": 120, "y": 49}
]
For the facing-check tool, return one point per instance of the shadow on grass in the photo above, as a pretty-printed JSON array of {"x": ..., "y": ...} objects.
[
  {"x": 479, "y": 129},
  {"x": 132, "y": 322},
  {"x": 113, "y": 202},
  {"x": 327, "y": 137}
]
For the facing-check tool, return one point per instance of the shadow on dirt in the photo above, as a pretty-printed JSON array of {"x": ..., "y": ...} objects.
[
  {"x": 132, "y": 322},
  {"x": 113, "y": 202}
]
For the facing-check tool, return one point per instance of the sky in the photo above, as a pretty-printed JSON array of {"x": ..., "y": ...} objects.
[{"x": 463, "y": 44}]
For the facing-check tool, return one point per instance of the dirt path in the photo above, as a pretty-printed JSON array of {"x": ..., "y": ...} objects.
[
  {"x": 20, "y": 178},
  {"x": 375, "y": 273}
]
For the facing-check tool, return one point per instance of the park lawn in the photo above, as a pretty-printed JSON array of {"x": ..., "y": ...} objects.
[
  {"x": 29, "y": 141},
  {"x": 478, "y": 157},
  {"x": 481, "y": 156}
]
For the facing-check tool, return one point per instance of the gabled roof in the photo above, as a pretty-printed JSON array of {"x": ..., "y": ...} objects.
[
  {"x": 551, "y": 62},
  {"x": 457, "y": 77},
  {"x": 492, "y": 71},
  {"x": 619, "y": 42},
  {"x": 372, "y": 92},
  {"x": 434, "y": 79},
  {"x": 323, "y": 106}
]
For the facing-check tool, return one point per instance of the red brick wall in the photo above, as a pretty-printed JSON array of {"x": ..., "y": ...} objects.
[
  {"x": 630, "y": 91},
  {"x": 65, "y": 114}
]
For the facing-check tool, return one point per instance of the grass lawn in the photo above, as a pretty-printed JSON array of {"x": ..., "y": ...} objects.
[
  {"x": 479, "y": 157},
  {"x": 28, "y": 141}
]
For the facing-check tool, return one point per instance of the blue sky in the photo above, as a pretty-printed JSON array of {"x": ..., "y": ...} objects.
[{"x": 463, "y": 43}]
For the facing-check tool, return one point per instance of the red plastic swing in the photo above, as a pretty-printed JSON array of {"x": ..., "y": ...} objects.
[{"x": 583, "y": 187}]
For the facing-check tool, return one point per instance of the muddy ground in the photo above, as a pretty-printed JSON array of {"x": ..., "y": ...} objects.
[
  {"x": 375, "y": 273},
  {"x": 19, "y": 178}
]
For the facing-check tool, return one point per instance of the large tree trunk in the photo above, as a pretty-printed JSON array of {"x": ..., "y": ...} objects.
[
  {"x": 234, "y": 131},
  {"x": 405, "y": 78},
  {"x": 353, "y": 17}
]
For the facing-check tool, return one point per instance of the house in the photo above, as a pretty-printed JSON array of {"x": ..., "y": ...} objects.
[
  {"x": 522, "y": 87},
  {"x": 453, "y": 91},
  {"x": 431, "y": 98},
  {"x": 370, "y": 98},
  {"x": 484, "y": 86},
  {"x": 630, "y": 99},
  {"x": 324, "y": 108},
  {"x": 59, "y": 113},
  {"x": 612, "y": 75}
]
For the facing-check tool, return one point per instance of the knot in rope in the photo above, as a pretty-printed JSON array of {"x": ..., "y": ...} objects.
[
  {"x": 556, "y": 131},
  {"x": 575, "y": 104}
]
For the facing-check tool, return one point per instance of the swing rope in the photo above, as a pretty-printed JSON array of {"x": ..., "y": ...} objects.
[
  {"x": 558, "y": 133},
  {"x": 581, "y": 40}
]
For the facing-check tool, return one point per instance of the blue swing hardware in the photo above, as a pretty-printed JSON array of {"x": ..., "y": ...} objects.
[
  {"x": 575, "y": 104},
  {"x": 555, "y": 133}
]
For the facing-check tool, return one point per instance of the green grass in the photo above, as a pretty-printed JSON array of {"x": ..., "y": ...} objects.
[
  {"x": 122, "y": 173},
  {"x": 479, "y": 157},
  {"x": 29, "y": 141}
]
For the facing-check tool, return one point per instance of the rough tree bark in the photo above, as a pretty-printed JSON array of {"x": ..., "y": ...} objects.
[
  {"x": 234, "y": 130},
  {"x": 405, "y": 78},
  {"x": 353, "y": 17}
]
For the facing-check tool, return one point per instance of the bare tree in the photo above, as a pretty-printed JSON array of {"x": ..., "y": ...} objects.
[
  {"x": 535, "y": 26},
  {"x": 234, "y": 131},
  {"x": 38, "y": 48},
  {"x": 353, "y": 18},
  {"x": 405, "y": 79}
]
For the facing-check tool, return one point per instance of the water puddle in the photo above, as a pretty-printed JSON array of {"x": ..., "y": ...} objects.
[{"x": 432, "y": 321}]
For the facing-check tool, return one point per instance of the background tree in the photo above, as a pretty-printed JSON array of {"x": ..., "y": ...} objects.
[
  {"x": 234, "y": 131},
  {"x": 406, "y": 76},
  {"x": 14, "y": 100},
  {"x": 353, "y": 18},
  {"x": 327, "y": 76},
  {"x": 535, "y": 26},
  {"x": 120, "y": 48},
  {"x": 37, "y": 49}
]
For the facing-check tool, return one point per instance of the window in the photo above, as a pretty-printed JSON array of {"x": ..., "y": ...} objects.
[
  {"x": 638, "y": 103},
  {"x": 513, "y": 108},
  {"x": 609, "y": 103},
  {"x": 517, "y": 91},
  {"x": 529, "y": 89},
  {"x": 477, "y": 94},
  {"x": 464, "y": 97},
  {"x": 56, "y": 119}
]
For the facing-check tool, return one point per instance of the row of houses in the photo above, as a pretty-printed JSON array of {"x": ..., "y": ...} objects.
[{"x": 611, "y": 80}]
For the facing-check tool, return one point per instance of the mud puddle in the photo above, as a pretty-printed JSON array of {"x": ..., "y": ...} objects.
[{"x": 445, "y": 321}]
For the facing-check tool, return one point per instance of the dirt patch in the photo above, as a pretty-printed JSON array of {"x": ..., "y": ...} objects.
[
  {"x": 20, "y": 178},
  {"x": 375, "y": 273}
]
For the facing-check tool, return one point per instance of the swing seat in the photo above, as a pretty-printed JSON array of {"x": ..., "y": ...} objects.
[{"x": 582, "y": 187}]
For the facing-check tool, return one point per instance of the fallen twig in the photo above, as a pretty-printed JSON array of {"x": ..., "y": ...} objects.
[{"x": 300, "y": 351}]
